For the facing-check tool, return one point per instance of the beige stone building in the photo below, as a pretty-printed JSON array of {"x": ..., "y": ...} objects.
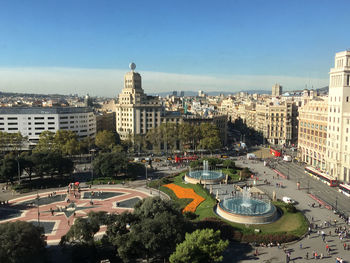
[
  {"x": 312, "y": 135},
  {"x": 136, "y": 113},
  {"x": 276, "y": 90},
  {"x": 338, "y": 136},
  {"x": 278, "y": 122}
]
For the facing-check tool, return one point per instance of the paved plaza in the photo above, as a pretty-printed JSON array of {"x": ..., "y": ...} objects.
[
  {"x": 58, "y": 209},
  {"x": 315, "y": 215}
]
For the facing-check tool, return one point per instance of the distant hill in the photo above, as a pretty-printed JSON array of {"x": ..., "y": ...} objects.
[
  {"x": 211, "y": 93},
  {"x": 323, "y": 90}
]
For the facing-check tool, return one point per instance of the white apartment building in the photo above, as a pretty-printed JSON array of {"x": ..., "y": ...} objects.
[
  {"x": 338, "y": 136},
  {"x": 32, "y": 121},
  {"x": 136, "y": 113}
]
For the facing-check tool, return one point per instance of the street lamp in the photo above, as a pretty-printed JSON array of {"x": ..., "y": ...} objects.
[
  {"x": 336, "y": 203},
  {"x": 19, "y": 170},
  {"x": 37, "y": 199},
  {"x": 92, "y": 151}
]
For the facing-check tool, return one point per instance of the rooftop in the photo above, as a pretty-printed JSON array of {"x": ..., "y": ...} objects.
[{"x": 41, "y": 110}]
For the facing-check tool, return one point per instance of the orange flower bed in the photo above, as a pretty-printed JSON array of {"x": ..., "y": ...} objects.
[{"x": 181, "y": 192}]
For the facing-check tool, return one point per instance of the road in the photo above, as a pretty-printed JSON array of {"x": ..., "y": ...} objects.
[{"x": 324, "y": 192}]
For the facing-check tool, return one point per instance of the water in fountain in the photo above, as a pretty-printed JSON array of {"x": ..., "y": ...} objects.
[
  {"x": 205, "y": 167},
  {"x": 246, "y": 200}
]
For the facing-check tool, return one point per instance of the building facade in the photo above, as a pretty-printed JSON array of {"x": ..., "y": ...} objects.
[
  {"x": 32, "y": 121},
  {"x": 276, "y": 90},
  {"x": 136, "y": 113},
  {"x": 338, "y": 142},
  {"x": 312, "y": 137}
]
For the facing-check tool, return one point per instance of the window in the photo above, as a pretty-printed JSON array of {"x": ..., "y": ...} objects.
[
  {"x": 39, "y": 128},
  {"x": 12, "y": 118},
  {"x": 39, "y": 123},
  {"x": 12, "y": 123},
  {"x": 50, "y": 118},
  {"x": 347, "y": 98},
  {"x": 12, "y": 129},
  {"x": 38, "y": 118}
]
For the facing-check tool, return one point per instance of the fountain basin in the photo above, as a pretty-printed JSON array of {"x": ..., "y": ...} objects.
[
  {"x": 204, "y": 176},
  {"x": 209, "y": 177},
  {"x": 235, "y": 209}
]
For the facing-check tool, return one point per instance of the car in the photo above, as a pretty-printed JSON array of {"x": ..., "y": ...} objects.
[{"x": 288, "y": 200}]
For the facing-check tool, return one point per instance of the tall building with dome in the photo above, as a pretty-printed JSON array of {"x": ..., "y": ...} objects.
[{"x": 136, "y": 113}]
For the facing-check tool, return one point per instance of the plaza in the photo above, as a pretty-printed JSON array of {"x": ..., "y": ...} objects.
[{"x": 57, "y": 210}]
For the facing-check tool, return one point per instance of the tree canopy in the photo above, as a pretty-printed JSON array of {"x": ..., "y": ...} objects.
[
  {"x": 21, "y": 242},
  {"x": 152, "y": 231},
  {"x": 201, "y": 246},
  {"x": 107, "y": 140}
]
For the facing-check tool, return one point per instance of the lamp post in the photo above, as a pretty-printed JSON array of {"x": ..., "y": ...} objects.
[
  {"x": 37, "y": 199},
  {"x": 19, "y": 170},
  {"x": 336, "y": 203},
  {"x": 92, "y": 151}
]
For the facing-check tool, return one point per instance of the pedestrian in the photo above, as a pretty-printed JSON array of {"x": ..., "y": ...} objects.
[
  {"x": 68, "y": 222},
  {"x": 344, "y": 246},
  {"x": 307, "y": 255},
  {"x": 301, "y": 246},
  {"x": 321, "y": 256}
]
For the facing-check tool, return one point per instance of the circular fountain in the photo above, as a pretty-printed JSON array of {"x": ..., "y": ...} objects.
[
  {"x": 204, "y": 176},
  {"x": 243, "y": 209}
]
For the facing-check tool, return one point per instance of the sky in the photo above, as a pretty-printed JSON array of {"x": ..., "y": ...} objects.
[{"x": 85, "y": 46}]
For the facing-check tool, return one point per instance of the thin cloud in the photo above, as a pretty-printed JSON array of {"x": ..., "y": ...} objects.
[{"x": 109, "y": 82}]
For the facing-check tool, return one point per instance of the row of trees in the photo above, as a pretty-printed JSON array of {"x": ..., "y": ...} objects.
[
  {"x": 170, "y": 136},
  {"x": 155, "y": 231},
  {"x": 38, "y": 163}
]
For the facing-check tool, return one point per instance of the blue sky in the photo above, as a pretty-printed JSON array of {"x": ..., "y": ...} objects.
[{"x": 81, "y": 46}]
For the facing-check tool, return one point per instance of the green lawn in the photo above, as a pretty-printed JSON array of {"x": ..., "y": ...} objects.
[{"x": 292, "y": 223}]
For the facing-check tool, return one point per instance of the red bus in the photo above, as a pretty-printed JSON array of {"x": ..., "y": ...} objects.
[
  {"x": 345, "y": 189},
  {"x": 321, "y": 176},
  {"x": 275, "y": 152}
]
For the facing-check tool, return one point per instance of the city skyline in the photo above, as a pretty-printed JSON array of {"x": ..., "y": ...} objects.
[{"x": 85, "y": 46}]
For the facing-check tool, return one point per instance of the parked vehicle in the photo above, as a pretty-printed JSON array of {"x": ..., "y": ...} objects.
[{"x": 288, "y": 200}]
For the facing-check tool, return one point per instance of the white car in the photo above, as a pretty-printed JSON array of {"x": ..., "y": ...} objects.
[{"x": 288, "y": 200}]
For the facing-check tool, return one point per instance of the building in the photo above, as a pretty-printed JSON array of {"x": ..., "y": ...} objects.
[
  {"x": 338, "y": 143},
  {"x": 278, "y": 122},
  {"x": 32, "y": 121},
  {"x": 312, "y": 136},
  {"x": 136, "y": 113},
  {"x": 276, "y": 90}
]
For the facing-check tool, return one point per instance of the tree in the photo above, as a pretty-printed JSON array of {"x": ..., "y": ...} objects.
[
  {"x": 229, "y": 164},
  {"x": 201, "y": 246},
  {"x": 109, "y": 164},
  {"x": 106, "y": 140},
  {"x": 210, "y": 137},
  {"x": 21, "y": 242},
  {"x": 82, "y": 231},
  {"x": 152, "y": 231},
  {"x": 9, "y": 168},
  {"x": 63, "y": 141}
]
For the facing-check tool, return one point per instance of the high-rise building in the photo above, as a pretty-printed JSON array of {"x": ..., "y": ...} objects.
[
  {"x": 175, "y": 93},
  {"x": 136, "y": 113},
  {"x": 182, "y": 93},
  {"x": 338, "y": 136},
  {"x": 276, "y": 90}
]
